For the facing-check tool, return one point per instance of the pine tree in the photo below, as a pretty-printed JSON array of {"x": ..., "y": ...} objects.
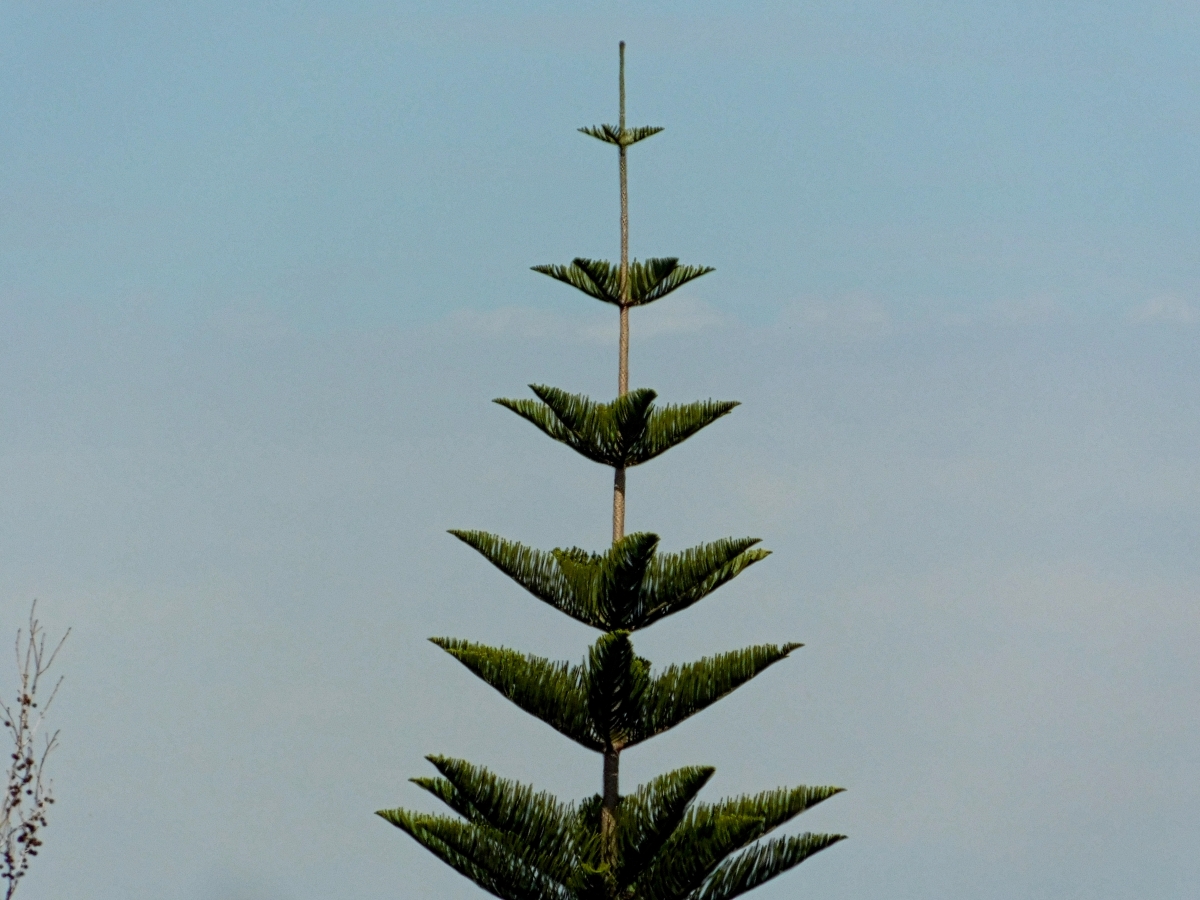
[{"x": 659, "y": 842}]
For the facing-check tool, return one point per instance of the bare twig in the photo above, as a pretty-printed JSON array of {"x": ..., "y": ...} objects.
[{"x": 28, "y": 794}]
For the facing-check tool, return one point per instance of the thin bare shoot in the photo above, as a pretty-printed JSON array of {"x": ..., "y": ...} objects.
[{"x": 28, "y": 794}]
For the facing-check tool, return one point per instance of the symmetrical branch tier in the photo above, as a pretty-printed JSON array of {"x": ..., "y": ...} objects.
[
  {"x": 519, "y": 844},
  {"x": 628, "y": 587},
  {"x": 627, "y": 432},
  {"x": 611, "y": 701},
  {"x": 648, "y": 281}
]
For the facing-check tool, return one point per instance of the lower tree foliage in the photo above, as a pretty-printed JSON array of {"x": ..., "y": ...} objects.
[
  {"x": 659, "y": 842},
  {"x": 519, "y": 844}
]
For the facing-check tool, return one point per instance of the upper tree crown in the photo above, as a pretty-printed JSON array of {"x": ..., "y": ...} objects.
[
  {"x": 622, "y": 137},
  {"x": 649, "y": 280}
]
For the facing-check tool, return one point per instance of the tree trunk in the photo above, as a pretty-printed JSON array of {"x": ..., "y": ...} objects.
[
  {"x": 608, "y": 809},
  {"x": 618, "y": 505},
  {"x": 612, "y": 756}
]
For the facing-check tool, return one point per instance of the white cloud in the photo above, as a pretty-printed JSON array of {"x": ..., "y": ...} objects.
[
  {"x": 850, "y": 315},
  {"x": 682, "y": 316},
  {"x": 524, "y": 322},
  {"x": 1030, "y": 309},
  {"x": 1169, "y": 308},
  {"x": 678, "y": 316},
  {"x": 1034, "y": 308}
]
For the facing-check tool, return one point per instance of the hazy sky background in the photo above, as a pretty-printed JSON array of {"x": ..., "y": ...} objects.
[{"x": 262, "y": 267}]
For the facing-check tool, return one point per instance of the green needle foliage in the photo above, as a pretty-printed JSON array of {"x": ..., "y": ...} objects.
[
  {"x": 619, "y": 134},
  {"x": 648, "y": 281},
  {"x": 624, "y": 433},
  {"x": 628, "y": 587},
  {"x": 610, "y": 700},
  {"x": 659, "y": 842}
]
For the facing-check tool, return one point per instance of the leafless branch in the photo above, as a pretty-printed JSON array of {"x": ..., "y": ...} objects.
[{"x": 28, "y": 794}]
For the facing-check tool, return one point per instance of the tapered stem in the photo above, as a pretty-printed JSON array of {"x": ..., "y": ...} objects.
[
  {"x": 623, "y": 368},
  {"x": 612, "y": 757},
  {"x": 623, "y": 364}
]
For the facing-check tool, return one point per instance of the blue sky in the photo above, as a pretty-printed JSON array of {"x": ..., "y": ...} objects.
[{"x": 262, "y": 267}]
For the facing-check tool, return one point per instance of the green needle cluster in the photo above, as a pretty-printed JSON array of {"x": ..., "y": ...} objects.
[{"x": 659, "y": 842}]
